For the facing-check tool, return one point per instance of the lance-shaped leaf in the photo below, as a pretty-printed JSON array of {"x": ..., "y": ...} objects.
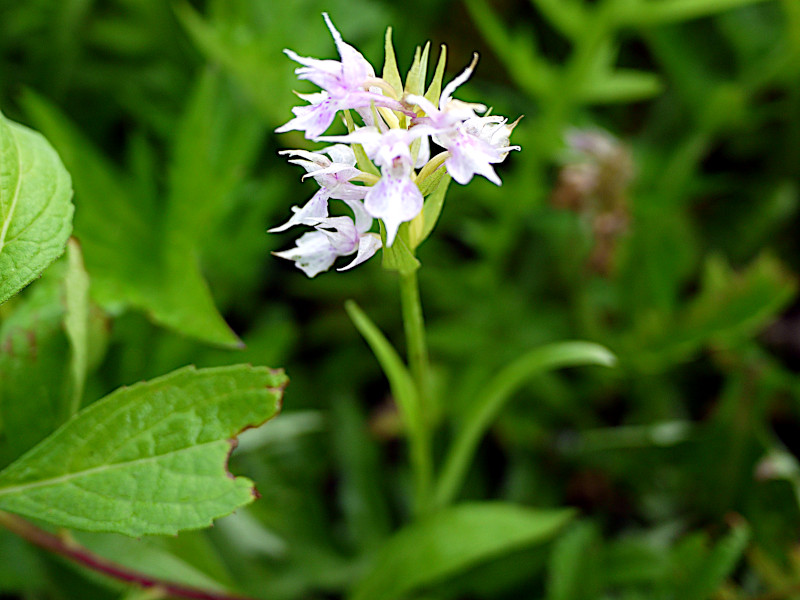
[
  {"x": 489, "y": 400},
  {"x": 35, "y": 206},
  {"x": 147, "y": 459},
  {"x": 452, "y": 540}
]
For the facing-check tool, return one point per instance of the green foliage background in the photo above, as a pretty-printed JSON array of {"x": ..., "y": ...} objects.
[{"x": 681, "y": 461}]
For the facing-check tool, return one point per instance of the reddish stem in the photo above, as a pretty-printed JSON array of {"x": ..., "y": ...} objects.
[{"x": 77, "y": 553}]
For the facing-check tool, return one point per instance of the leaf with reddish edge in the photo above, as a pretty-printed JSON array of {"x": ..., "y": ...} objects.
[{"x": 150, "y": 458}]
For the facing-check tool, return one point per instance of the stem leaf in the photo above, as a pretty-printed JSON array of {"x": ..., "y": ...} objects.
[
  {"x": 400, "y": 380},
  {"x": 493, "y": 396}
]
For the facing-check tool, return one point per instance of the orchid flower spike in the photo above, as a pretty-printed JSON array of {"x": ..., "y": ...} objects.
[{"x": 392, "y": 141}]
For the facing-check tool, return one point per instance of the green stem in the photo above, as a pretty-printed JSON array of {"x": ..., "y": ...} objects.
[
  {"x": 414, "y": 326},
  {"x": 417, "y": 348}
]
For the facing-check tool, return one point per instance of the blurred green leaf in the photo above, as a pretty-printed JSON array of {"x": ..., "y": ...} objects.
[
  {"x": 148, "y": 556},
  {"x": 649, "y": 13},
  {"x": 148, "y": 258},
  {"x": 35, "y": 207},
  {"x": 36, "y": 387},
  {"x": 729, "y": 307},
  {"x": 76, "y": 321},
  {"x": 574, "y": 564},
  {"x": 707, "y": 575},
  {"x": 452, "y": 540},
  {"x": 149, "y": 458},
  {"x": 623, "y": 85}
]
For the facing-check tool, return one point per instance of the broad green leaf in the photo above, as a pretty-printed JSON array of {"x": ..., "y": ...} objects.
[
  {"x": 76, "y": 320},
  {"x": 147, "y": 459},
  {"x": 487, "y": 403},
  {"x": 35, "y": 207},
  {"x": 452, "y": 540}
]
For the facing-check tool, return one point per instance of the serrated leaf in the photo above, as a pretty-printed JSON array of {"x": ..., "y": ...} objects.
[
  {"x": 147, "y": 459},
  {"x": 451, "y": 541},
  {"x": 35, "y": 206}
]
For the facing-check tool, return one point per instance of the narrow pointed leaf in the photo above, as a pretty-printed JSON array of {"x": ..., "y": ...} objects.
[
  {"x": 485, "y": 407},
  {"x": 147, "y": 459},
  {"x": 452, "y": 540},
  {"x": 435, "y": 88},
  {"x": 390, "y": 71},
  {"x": 35, "y": 206},
  {"x": 710, "y": 573}
]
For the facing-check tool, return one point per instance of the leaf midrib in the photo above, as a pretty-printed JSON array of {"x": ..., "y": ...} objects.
[
  {"x": 16, "y": 489},
  {"x": 13, "y": 208}
]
